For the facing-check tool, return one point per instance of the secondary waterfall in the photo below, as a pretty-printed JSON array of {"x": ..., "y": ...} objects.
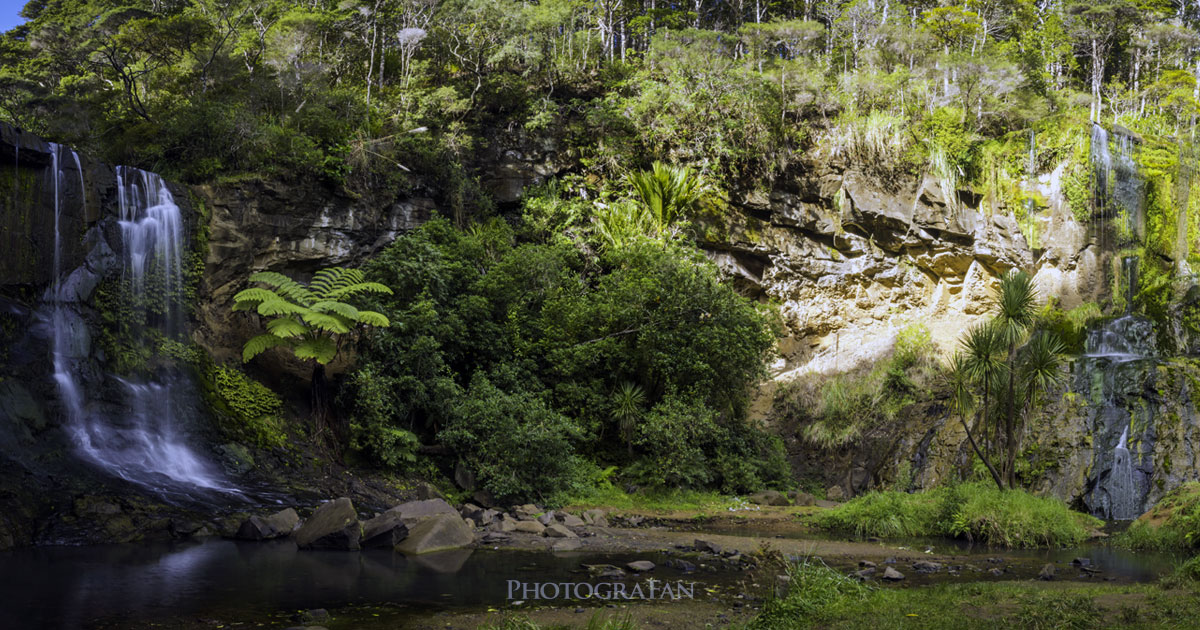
[
  {"x": 1119, "y": 356},
  {"x": 1124, "y": 499},
  {"x": 145, "y": 443}
]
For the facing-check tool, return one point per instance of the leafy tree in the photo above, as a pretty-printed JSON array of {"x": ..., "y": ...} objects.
[{"x": 309, "y": 319}]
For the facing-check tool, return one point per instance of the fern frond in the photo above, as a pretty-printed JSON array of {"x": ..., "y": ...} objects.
[
  {"x": 371, "y": 318},
  {"x": 333, "y": 306},
  {"x": 320, "y": 348},
  {"x": 249, "y": 299},
  {"x": 280, "y": 307},
  {"x": 325, "y": 280},
  {"x": 284, "y": 285},
  {"x": 287, "y": 327},
  {"x": 261, "y": 343},
  {"x": 326, "y": 322},
  {"x": 361, "y": 287}
]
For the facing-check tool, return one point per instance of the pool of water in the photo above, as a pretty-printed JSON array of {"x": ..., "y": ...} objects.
[{"x": 80, "y": 587}]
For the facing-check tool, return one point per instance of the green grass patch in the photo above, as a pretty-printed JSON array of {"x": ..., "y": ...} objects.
[
  {"x": 1173, "y": 523},
  {"x": 974, "y": 511},
  {"x": 822, "y": 598}
]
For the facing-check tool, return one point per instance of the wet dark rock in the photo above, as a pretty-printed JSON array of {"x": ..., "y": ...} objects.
[
  {"x": 384, "y": 531},
  {"x": 277, "y": 525},
  {"x": 313, "y": 616},
  {"x": 471, "y": 511},
  {"x": 640, "y": 566},
  {"x": 546, "y": 518},
  {"x": 996, "y": 572},
  {"x": 1082, "y": 562},
  {"x": 705, "y": 546},
  {"x": 866, "y": 564},
  {"x": 463, "y": 477},
  {"x": 495, "y": 537},
  {"x": 558, "y": 530},
  {"x": 426, "y": 491},
  {"x": 892, "y": 575},
  {"x": 1047, "y": 572},
  {"x": 864, "y": 574},
  {"x": 333, "y": 526},
  {"x": 924, "y": 566},
  {"x": 438, "y": 532}
]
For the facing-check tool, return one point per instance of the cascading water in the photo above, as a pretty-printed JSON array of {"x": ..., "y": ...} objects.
[
  {"x": 145, "y": 444},
  {"x": 1119, "y": 355},
  {"x": 1124, "y": 498}
]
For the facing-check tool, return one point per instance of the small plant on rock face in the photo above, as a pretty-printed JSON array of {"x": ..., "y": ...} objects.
[{"x": 309, "y": 319}]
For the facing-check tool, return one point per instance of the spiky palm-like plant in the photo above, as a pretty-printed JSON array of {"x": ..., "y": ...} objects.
[
  {"x": 983, "y": 363},
  {"x": 627, "y": 403},
  {"x": 1016, "y": 314},
  {"x": 667, "y": 191},
  {"x": 962, "y": 403},
  {"x": 309, "y": 319},
  {"x": 1040, "y": 367}
]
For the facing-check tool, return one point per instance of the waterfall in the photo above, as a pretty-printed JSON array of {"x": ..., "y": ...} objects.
[
  {"x": 144, "y": 443},
  {"x": 66, "y": 326},
  {"x": 1123, "y": 495},
  {"x": 1128, "y": 188}
]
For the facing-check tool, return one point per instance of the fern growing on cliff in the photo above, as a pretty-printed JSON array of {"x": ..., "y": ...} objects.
[{"x": 309, "y": 319}]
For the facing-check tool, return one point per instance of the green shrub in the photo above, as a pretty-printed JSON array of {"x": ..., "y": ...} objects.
[
  {"x": 1173, "y": 523},
  {"x": 518, "y": 447},
  {"x": 245, "y": 408},
  {"x": 975, "y": 511}
]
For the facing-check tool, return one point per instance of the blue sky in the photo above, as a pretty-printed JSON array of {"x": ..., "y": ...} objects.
[{"x": 8, "y": 13}]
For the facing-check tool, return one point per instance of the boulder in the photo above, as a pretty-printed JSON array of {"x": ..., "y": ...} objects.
[
  {"x": 547, "y": 518},
  {"x": 703, "y": 546},
  {"x": 835, "y": 493},
  {"x": 276, "y": 525},
  {"x": 414, "y": 511},
  {"x": 438, "y": 532},
  {"x": 529, "y": 527},
  {"x": 1047, "y": 572},
  {"x": 892, "y": 575},
  {"x": 471, "y": 511},
  {"x": 640, "y": 566},
  {"x": 558, "y": 530},
  {"x": 864, "y": 574},
  {"x": 505, "y": 523},
  {"x": 484, "y": 498},
  {"x": 570, "y": 520},
  {"x": 802, "y": 498},
  {"x": 386, "y": 530},
  {"x": 924, "y": 566},
  {"x": 425, "y": 491},
  {"x": 463, "y": 477},
  {"x": 333, "y": 526},
  {"x": 769, "y": 497},
  {"x": 526, "y": 512}
]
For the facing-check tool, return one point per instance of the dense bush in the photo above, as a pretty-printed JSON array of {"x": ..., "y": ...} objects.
[
  {"x": 974, "y": 511},
  {"x": 514, "y": 353},
  {"x": 1173, "y": 522}
]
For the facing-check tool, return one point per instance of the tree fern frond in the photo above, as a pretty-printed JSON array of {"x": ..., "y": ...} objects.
[
  {"x": 261, "y": 343},
  {"x": 284, "y": 285},
  {"x": 253, "y": 294},
  {"x": 326, "y": 322},
  {"x": 280, "y": 307},
  {"x": 333, "y": 306},
  {"x": 320, "y": 348},
  {"x": 361, "y": 287},
  {"x": 325, "y": 280},
  {"x": 287, "y": 327},
  {"x": 371, "y": 318}
]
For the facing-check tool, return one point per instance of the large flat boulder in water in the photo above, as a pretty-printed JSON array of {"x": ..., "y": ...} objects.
[
  {"x": 437, "y": 533},
  {"x": 333, "y": 526},
  {"x": 276, "y": 525},
  {"x": 413, "y": 512},
  {"x": 385, "y": 530}
]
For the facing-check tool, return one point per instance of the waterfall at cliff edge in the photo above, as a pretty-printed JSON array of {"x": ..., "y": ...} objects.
[{"x": 145, "y": 443}]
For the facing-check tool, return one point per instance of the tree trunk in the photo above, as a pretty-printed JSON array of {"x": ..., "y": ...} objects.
[
  {"x": 979, "y": 454},
  {"x": 323, "y": 427}
]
